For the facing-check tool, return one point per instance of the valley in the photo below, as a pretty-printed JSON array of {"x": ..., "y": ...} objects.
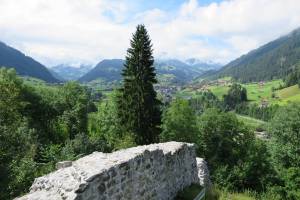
[{"x": 222, "y": 101}]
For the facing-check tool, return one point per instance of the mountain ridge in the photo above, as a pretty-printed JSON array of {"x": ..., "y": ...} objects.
[
  {"x": 23, "y": 64},
  {"x": 271, "y": 60},
  {"x": 110, "y": 70}
]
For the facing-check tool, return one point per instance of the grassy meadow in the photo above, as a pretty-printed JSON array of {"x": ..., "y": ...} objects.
[
  {"x": 256, "y": 92},
  {"x": 251, "y": 122}
]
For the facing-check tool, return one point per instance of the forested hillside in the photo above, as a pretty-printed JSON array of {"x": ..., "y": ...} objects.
[
  {"x": 108, "y": 70},
  {"x": 273, "y": 60},
  {"x": 24, "y": 65}
]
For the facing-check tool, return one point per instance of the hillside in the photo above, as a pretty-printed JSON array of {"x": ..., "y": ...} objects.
[
  {"x": 24, "y": 65},
  {"x": 273, "y": 60},
  {"x": 69, "y": 72},
  {"x": 168, "y": 70},
  {"x": 263, "y": 92},
  {"x": 108, "y": 70}
]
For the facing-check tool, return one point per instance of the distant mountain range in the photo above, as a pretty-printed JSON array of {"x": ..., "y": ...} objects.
[
  {"x": 172, "y": 70},
  {"x": 205, "y": 65},
  {"x": 66, "y": 72},
  {"x": 24, "y": 65},
  {"x": 272, "y": 60},
  {"x": 110, "y": 70}
]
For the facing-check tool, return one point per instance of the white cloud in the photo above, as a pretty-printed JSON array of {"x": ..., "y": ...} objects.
[{"x": 89, "y": 30}]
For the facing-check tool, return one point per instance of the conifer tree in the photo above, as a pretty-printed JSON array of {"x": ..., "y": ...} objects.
[{"x": 138, "y": 107}]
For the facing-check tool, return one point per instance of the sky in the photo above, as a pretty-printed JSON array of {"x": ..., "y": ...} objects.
[{"x": 87, "y": 31}]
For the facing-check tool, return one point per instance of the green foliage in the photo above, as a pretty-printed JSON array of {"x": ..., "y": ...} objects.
[
  {"x": 126, "y": 140},
  {"x": 292, "y": 183},
  {"x": 236, "y": 95},
  {"x": 264, "y": 113},
  {"x": 284, "y": 129},
  {"x": 17, "y": 140},
  {"x": 284, "y": 147},
  {"x": 11, "y": 101},
  {"x": 254, "y": 171},
  {"x": 237, "y": 161},
  {"x": 225, "y": 194},
  {"x": 293, "y": 78},
  {"x": 203, "y": 101},
  {"x": 39, "y": 126},
  {"x": 105, "y": 125},
  {"x": 75, "y": 104},
  {"x": 138, "y": 107},
  {"x": 189, "y": 193},
  {"x": 224, "y": 140},
  {"x": 179, "y": 122}
]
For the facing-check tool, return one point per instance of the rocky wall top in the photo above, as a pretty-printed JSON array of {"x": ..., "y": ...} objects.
[{"x": 156, "y": 171}]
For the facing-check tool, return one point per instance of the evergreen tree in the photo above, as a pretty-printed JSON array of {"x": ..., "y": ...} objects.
[
  {"x": 138, "y": 107},
  {"x": 236, "y": 95}
]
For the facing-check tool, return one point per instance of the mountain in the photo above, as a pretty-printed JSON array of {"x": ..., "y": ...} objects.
[
  {"x": 70, "y": 72},
  {"x": 109, "y": 70},
  {"x": 206, "y": 66},
  {"x": 272, "y": 60},
  {"x": 172, "y": 69},
  {"x": 24, "y": 65},
  {"x": 56, "y": 75},
  {"x": 181, "y": 71}
]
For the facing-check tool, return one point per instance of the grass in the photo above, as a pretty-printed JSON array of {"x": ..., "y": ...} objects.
[
  {"x": 226, "y": 195},
  {"x": 256, "y": 92},
  {"x": 289, "y": 94},
  {"x": 34, "y": 81},
  {"x": 189, "y": 193},
  {"x": 251, "y": 122},
  {"x": 236, "y": 196},
  {"x": 219, "y": 91}
]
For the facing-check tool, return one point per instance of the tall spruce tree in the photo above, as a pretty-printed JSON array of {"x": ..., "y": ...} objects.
[{"x": 138, "y": 107}]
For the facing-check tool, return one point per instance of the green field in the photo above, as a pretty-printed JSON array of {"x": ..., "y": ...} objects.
[
  {"x": 290, "y": 94},
  {"x": 258, "y": 92},
  {"x": 255, "y": 91},
  {"x": 252, "y": 122},
  {"x": 219, "y": 91}
]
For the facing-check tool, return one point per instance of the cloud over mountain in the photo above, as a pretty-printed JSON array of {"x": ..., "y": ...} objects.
[{"x": 60, "y": 31}]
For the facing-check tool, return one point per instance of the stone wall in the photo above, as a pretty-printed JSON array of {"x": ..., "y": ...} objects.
[{"x": 156, "y": 171}]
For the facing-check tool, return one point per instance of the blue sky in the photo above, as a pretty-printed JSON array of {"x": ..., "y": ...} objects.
[
  {"x": 81, "y": 31},
  {"x": 143, "y": 5}
]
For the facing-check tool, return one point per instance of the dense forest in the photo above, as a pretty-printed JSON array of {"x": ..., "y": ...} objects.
[
  {"x": 43, "y": 124},
  {"x": 273, "y": 60}
]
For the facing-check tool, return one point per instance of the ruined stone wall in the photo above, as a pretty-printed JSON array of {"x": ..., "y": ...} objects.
[{"x": 156, "y": 171}]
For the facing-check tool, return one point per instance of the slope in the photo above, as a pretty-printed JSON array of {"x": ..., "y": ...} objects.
[{"x": 24, "y": 65}]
